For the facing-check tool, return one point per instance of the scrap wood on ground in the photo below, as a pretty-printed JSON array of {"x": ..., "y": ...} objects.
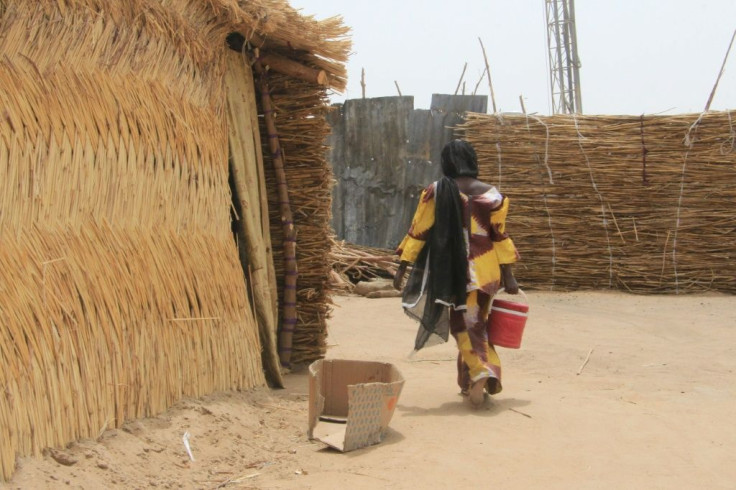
[{"x": 363, "y": 270}]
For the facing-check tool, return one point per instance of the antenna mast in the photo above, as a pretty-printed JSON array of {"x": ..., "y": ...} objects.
[{"x": 564, "y": 64}]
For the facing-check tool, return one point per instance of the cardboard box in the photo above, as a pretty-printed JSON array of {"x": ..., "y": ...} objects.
[{"x": 351, "y": 402}]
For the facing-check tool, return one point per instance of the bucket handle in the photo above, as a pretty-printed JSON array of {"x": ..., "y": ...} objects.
[{"x": 523, "y": 294}]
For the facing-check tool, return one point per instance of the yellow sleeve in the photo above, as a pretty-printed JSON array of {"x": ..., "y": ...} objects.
[
  {"x": 422, "y": 222},
  {"x": 503, "y": 245}
]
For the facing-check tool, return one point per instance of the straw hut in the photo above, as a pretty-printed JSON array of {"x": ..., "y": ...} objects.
[{"x": 137, "y": 184}]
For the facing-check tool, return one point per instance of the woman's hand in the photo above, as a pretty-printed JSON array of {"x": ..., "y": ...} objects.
[
  {"x": 400, "y": 272},
  {"x": 509, "y": 281},
  {"x": 511, "y": 286}
]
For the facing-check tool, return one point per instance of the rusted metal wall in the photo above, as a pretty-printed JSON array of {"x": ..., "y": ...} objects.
[{"x": 383, "y": 153}]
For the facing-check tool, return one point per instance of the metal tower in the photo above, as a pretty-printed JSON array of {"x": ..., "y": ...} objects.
[{"x": 564, "y": 64}]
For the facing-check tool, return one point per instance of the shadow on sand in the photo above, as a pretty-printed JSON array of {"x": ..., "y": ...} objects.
[{"x": 491, "y": 407}]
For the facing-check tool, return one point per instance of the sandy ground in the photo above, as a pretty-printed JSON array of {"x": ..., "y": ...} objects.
[{"x": 653, "y": 408}]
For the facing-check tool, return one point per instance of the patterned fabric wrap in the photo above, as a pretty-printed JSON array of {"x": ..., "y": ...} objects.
[
  {"x": 476, "y": 359},
  {"x": 488, "y": 247}
]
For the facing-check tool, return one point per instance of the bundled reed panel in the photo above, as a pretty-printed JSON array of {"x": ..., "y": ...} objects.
[{"x": 638, "y": 203}]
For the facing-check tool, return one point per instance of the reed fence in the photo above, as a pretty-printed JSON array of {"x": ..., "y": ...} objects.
[{"x": 637, "y": 203}]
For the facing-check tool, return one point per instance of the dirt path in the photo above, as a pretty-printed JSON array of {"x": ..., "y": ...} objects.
[{"x": 652, "y": 408}]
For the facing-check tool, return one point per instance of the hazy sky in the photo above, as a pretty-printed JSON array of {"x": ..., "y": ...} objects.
[{"x": 637, "y": 56}]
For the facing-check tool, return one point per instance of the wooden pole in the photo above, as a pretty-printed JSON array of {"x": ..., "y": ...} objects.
[
  {"x": 397, "y": 87},
  {"x": 585, "y": 362},
  {"x": 362, "y": 81},
  {"x": 718, "y": 79},
  {"x": 244, "y": 161},
  {"x": 263, "y": 194},
  {"x": 294, "y": 69},
  {"x": 521, "y": 101},
  {"x": 488, "y": 71},
  {"x": 288, "y": 306},
  {"x": 482, "y": 75},
  {"x": 266, "y": 221},
  {"x": 462, "y": 75}
]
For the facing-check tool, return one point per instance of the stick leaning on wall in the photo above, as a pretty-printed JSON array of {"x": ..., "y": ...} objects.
[
  {"x": 244, "y": 162},
  {"x": 289, "y": 317}
]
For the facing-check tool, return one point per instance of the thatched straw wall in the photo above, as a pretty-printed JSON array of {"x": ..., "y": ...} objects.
[
  {"x": 643, "y": 204},
  {"x": 120, "y": 285}
]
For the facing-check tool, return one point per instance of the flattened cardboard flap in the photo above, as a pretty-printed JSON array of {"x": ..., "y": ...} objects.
[{"x": 351, "y": 402}]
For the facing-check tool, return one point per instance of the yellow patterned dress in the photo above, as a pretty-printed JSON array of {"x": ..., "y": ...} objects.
[{"x": 488, "y": 247}]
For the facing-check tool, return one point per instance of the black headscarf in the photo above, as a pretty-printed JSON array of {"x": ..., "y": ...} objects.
[
  {"x": 458, "y": 159},
  {"x": 439, "y": 277}
]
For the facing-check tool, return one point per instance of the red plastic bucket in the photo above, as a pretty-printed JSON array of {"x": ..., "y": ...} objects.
[{"x": 506, "y": 322}]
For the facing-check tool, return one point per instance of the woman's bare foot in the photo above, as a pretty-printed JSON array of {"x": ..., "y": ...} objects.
[{"x": 477, "y": 393}]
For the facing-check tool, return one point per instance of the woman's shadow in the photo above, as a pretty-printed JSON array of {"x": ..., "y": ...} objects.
[{"x": 490, "y": 407}]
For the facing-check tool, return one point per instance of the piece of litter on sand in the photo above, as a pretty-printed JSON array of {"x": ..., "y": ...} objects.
[
  {"x": 521, "y": 413},
  {"x": 236, "y": 480},
  {"x": 185, "y": 440},
  {"x": 587, "y": 358}
]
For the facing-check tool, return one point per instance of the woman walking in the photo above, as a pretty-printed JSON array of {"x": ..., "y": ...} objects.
[{"x": 462, "y": 256}]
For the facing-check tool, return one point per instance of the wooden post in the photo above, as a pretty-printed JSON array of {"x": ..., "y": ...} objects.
[
  {"x": 288, "y": 306},
  {"x": 241, "y": 106},
  {"x": 718, "y": 79},
  {"x": 479, "y": 80},
  {"x": 397, "y": 87},
  {"x": 263, "y": 193},
  {"x": 294, "y": 69},
  {"x": 462, "y": 75},
  {"x": 488, "y": 70},
  {"x": 265, "y": 217},
  {"x": 362, "y": 81}
]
